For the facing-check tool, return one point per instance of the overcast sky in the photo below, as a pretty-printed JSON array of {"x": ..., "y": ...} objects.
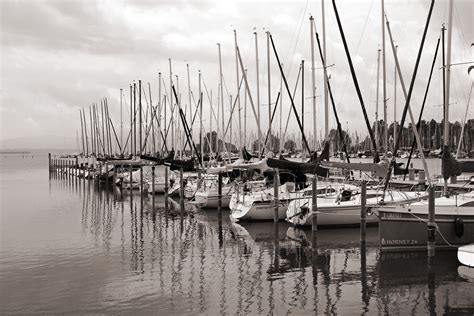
[{"x": 61, "y": 55}]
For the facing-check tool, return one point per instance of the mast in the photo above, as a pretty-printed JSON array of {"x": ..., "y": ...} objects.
[
  {"x": 258, "y": 95},
  {"x": 464, "y": 122},
  {"x": 302, "y": 95},
  {"x": 313, "y": 79},
  {"x": 220, "y": 98},
  {"x": 377, "y": 100},
  {"x": 325, "y": 87},
  {"x": 131, "y": 119},
  {"x": 201, "y": 145},
  {"x": 171, "y": 105},
  {"x": 238, "y": 91},
  {"x": 121, "y": 117},
  {"x": 448, "y": 74},
  {"x": 159, "y": 109},
  {"x": 384, "y": 82},
  {"x": 269, "y": 92},
  {"x": 134, "y": 119},
  {"x": 245, "y": 114},
  {"x": 151, "y": 119},
  {"x": 356, "y": 83},
  {"x": 395, "y": 101},
  {"x": 92, "y": 131},
  {"x": 85, "y": 132},
  {"x": 103, "y": 127},
  {"x": 189, "y": 106},
  {"x": 82, "y": 134},
  {"x": 210, "y": 127}
]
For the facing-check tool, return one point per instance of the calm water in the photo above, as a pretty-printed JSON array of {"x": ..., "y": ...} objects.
[{"x": 67, "y": 246}]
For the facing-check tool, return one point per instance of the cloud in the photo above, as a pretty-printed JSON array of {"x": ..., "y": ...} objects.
[{"x": 59, "y": 56}]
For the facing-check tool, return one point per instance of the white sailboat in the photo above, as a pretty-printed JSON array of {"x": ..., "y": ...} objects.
[
  {"x": 345, "y": 209},
  {"x": 261, "y": 205}
]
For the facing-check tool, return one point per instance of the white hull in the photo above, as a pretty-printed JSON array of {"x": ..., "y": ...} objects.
[
  {"x": 332, "y": 212},
  {"x": 466, "y": 255},
  {"x": 159, "y": 186},
  {"x": 209, "y": 199},
  {"x": 260, "y": 205}
]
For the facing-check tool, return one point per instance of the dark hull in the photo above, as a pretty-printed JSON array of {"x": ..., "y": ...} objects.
[{"x": 399, "y": 231}]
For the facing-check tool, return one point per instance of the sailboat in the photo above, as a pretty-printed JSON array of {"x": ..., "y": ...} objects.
[
  {"x": 344, "y": 210},
  {"x": 405, "y": 226}
]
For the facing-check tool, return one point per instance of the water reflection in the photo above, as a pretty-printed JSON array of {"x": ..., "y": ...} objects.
[
  {"x": 222, "y": 266},
  {"x": 135, "y": 254}
]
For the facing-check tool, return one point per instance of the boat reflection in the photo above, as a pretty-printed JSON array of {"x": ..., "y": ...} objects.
[{"x": 221, "y": 266}]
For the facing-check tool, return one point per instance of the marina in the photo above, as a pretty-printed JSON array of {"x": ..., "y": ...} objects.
[
  {"x": 224, "y": 181},
  {"x": 90, "y": 249}
]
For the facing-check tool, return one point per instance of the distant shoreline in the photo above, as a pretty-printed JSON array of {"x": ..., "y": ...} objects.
[{"x": 3, "y": 152}]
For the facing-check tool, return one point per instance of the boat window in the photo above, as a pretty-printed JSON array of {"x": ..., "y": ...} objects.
[{"x": 467, "y": 204}]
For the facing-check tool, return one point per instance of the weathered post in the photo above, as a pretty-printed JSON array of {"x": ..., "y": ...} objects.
[
  {"x": 219, "y": 195},
  {"x": 431, "y": 222},
  {"x": 99, "y": 174},
  {"x": 422, "y": 177},
  {"x": 153, "y": 188},
  {"x": 130, "y": 181},
  {"x": 141, "y": 179},
  {"x": 199, "y": 178},
  {"x": 314, "y": 205},
  {"x": 276, "y": 189},
  {"x": 49, "y": 161},
  {"x": 166, "y": 189},
  {"x": 181, "y": 190},
  {"x": 219, "y": 209},
  {"x": 363, "y": 211}
]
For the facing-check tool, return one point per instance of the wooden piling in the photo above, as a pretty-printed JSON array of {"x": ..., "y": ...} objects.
[
  {"x": 219, "y": 195},
  {"x": 199, "y": 178},
  {"x": 314, "y": 205},
  {"x": 276, "y": 189},
  {"x": 131, "y": 179},
  {"x": 363, "y": 212},
  {"x": 141, "y": 179},
  {"x": 49, "y": 161},
  {"x": 115, "y": 176},
  {"x": 181, "y": 190},
  {"x": 431, "y": 222},
  {"x": 422, "y": 179},
  {"x": 153, "y": 188},
  {"x": 166, "y": 188},
  {"x": 106, "y": 175}
]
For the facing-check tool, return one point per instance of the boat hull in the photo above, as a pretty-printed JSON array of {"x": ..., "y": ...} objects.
[
  {"x": 210, "y": 199},
  {"x": 406, "y": 227},
  {"x": 344, "y": 214},
  {"x": 250, "y": 210}
]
